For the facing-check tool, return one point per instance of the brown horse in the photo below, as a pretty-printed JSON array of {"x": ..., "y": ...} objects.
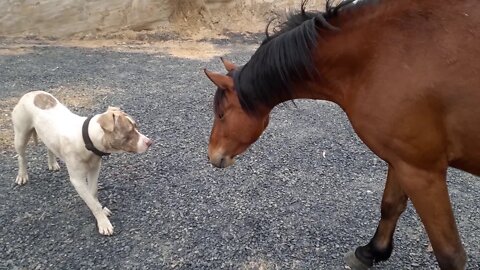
[{"x": 406, "y": 73}]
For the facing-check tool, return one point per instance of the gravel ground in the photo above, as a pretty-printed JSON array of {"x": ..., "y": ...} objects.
[{"x": 306, "y": 193}]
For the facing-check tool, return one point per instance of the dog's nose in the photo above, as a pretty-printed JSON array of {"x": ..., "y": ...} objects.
[{"x": 148, "y": 142}]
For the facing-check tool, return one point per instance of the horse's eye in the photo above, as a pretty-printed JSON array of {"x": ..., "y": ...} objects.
[{"x": 220, "y": 116}]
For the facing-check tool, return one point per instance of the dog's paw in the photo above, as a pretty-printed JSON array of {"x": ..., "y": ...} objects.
[
  {"x": 54, "y": 166},
  {"x": 107, "y": 211},
  {"x": 22, "y": 179},
  {"x": 105, "y": 227}
]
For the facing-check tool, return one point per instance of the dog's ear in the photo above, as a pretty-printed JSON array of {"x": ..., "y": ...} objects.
[{"x": 107, "y": 121}]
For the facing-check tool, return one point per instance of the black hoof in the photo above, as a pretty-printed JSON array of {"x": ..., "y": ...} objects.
[{"x": 354, "y": 263}]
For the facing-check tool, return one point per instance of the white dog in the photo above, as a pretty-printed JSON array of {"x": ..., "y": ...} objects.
[{"x": 78, "y": 141}]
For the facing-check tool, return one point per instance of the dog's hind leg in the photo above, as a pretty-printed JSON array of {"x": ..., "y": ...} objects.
[
  {"x": 21, "y": 140},
  {"x": 23, "y": 128},
  {"x": 52, "y": 162}
]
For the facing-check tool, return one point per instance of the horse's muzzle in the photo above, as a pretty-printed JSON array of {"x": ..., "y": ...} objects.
[{"x": 220, "y": 161}]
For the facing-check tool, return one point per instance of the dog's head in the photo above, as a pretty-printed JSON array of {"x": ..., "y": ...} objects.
[{"x": 121, "y": 132}]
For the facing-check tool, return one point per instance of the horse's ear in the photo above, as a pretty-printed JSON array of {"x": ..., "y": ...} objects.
[
  {"x": 229, "y": 66},
  {"x": 221, "y": 81}
]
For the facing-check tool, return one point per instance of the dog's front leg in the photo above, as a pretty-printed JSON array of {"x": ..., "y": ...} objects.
[
  {"x": 92, "y": 180},
  {"x": 78, "y": 180},
  {"x": 52, "y": 162}
]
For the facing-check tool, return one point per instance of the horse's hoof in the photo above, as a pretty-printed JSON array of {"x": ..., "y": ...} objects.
[{"x": 354, "y": 263}]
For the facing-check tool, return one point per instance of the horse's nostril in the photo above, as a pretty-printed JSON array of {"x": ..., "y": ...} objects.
[{"x": 222, "y": 161}]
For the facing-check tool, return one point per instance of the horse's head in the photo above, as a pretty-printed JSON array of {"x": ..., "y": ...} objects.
[{"x": 234, "y": 129}]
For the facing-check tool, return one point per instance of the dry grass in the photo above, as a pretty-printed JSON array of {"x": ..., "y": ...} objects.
[
  {"x": 78, "y": 97},
  {"x": 70, "y": 97},
  {"x": 182, "y": 49},
  {"x": 14, "y": 51},
  {"x": 6, "y": 129}
]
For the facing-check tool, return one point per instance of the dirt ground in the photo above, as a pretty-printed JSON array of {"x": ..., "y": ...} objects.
[
  {"x": 302, "y": 196},
  {"x": 200, "y": 22}
]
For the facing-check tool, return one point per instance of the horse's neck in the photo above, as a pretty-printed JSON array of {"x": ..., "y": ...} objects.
[{"x": 341, "y": 58}]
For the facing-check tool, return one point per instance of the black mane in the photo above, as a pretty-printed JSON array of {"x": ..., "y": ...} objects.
[{"x": 283, "y": 58}]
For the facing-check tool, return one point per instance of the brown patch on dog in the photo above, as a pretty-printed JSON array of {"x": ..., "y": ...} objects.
[
  {"x": 44, "y": 101},
  {"x": 120, "y": 131}
]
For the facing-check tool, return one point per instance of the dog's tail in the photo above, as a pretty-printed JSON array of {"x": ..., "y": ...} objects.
[{"x": 35, "y": 137}]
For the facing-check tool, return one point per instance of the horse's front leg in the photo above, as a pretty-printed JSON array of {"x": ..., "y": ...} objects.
[{"x": 380, "y": 247}]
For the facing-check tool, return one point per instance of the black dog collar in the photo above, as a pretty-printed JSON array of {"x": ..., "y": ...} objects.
[{"x": 88, "y": 142}]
